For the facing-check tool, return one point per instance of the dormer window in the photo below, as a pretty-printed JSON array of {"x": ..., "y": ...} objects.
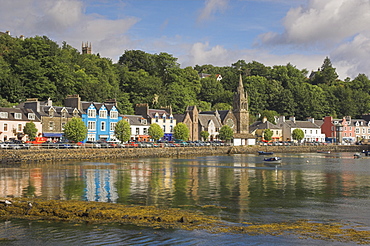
[
  {"x": 113, "y": 114},
  {"x": 17, "y": 116},
  {"x": 103, "y": 114},
  {"x": 4, "y": 115},
  {"x": 143, "y": 121},
  {"x": 31, "y": 116},
  {"x": 91, "y": 113}
]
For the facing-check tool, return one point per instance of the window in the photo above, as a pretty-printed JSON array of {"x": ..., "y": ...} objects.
[
  {"x": 114, "y": 115},
  {"x": 113, "y": 126},
  {"x": 91, "y": 125},
  {"x": 310, "y": 131},
  {"x": 363, "y": 130},
  {"x": 164, "y": 118},
  {"x": 19, "y": 128},
  {"x": 345, "y": 128},
  {"x": 91, "y": 137},
  {"x": 156, "y": 118},
  {"x": 145, "y": 131},
  {"x": 137, "y": 131},
  {"x": 164, "y": 128},
  {"x": 171, "y": 119},
  {"x": 63, "y": 125},
  {"x": 103, "y": 114},
  {"x": 368, "y": 130},
  {"x": 5, "y": 127},
  {"x": 357, "y": 130},
  {"x": 171, "y": 128},
  {"x": 31, "y": 116},
  {"x": 17, "y": 116},
  {"x": 350, "y": 128},
  {"x": 144, "y": 121},
  {"x": 51, "y": 125},
  {"x": 305, "y": 131},
  {"x": 91, "y": 113},
  {"x": 317, "y": 132},
  {"x": 103, "y": 126},
  {"x": 3, "y": 115},
  {"x": 51, "y": 112}
]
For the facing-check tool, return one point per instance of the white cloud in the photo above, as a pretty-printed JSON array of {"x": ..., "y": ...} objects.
[
  {"x": 322, "y": 21},
  {"x": 211, "y": 7},
  {"x": 66, "y": 20}
]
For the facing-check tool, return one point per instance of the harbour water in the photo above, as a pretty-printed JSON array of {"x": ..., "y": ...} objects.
[{"x": 236, "y": 188}]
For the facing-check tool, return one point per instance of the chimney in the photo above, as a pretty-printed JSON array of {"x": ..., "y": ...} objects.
[
  {"x": 292, "y": 118},
  {"x": 312, "y": 120},
  {"x": 73, "y": 101},
  {"x": 111, "y": 101},
  {"x": 8, "y": 32},
  {"x": 264, "y": 119},
  {"x": 49, "y": 102},
  {"x": 142, "y": 109},
  {"x": 32, "y": 103}
]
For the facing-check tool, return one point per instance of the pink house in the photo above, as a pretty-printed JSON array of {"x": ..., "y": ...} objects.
[
  {"x": 12, "y": 122},
  {"x": 338, "y": 130}
]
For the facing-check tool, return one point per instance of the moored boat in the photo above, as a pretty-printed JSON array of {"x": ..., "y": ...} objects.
[
  {"x": 265, "y": 153},
  {"x": 272, "y": 160}
]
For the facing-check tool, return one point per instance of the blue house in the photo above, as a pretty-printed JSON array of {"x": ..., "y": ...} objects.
[{"x": 99, "y": 118}]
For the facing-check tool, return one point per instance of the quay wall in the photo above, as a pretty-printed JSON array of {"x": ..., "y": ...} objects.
[{"x": 42, "y": 155}]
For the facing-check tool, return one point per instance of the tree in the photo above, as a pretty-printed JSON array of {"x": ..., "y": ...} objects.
[
  {"x": 155, "y": 132},
  {"x": 226, "y": 133},
  {"x": 122, "y": 131},
  {"x": 181, "y": 131},
  {"x": 270, "y": 115},
  {"x": 75, "y": 130},
  {"x": 30, "y": 130},
  {"x": 298, "y": 134},
  {"x": 267, "y": 134},
  {"x": 204, "y": 135}
]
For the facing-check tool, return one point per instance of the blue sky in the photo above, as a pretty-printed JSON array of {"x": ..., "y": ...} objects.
[{"x": 218, "y": 32}]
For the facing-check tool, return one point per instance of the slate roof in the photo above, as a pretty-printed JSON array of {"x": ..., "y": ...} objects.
[
  {"x": 179, "y": 117},
  {"x": 263, "y": 125},
  {"x": 204, "y": 119},
  {"x": 23, "y": 111},
  {"x": 135, "y": 120},
  {"x": 301, "y": 124},
  {"x": 160, "y": 112}
]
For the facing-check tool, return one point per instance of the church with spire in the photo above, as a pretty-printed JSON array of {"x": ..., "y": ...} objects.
[
  {"x": 241, "y": 113},
  {"x": 212, "y": 121}
]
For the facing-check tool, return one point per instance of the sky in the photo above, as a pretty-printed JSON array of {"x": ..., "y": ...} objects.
[{"x": 198, "y": 32}]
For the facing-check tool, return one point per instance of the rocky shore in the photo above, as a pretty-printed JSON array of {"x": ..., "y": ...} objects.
[{"x": 41, "y": 155}]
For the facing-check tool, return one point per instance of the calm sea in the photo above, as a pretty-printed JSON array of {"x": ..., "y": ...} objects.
[{"x": 319, "y": 187}]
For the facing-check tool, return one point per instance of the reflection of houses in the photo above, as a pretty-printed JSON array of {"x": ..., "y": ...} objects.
[
  {"x": 13, "y": 120},
  {"x": 53, "y": 118},
  {"x": 100, "y": 118},
  {"x": 163, "y": 117},
  {"x": 139, "y": 127},
  {"x": 312, "y": 131},
  {"x": 100, "y": 185},
  {"x": 258, "y": 128}
]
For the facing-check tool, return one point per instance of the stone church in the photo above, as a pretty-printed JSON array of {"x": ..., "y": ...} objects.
[{"x": 212, "y": 121}]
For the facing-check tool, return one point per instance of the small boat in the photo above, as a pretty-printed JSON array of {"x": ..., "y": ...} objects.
[
  {"x": 272, "y": 160},
  {"x": 357, "y": 156},
  {"x": 265, "y": 153},
  {"x": 324, "y": 152}
]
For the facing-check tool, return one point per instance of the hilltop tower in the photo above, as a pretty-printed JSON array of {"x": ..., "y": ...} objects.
[{"x": 86, "y": 48}]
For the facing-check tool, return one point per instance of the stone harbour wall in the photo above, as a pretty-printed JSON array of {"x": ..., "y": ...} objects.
[{"x": 42, "y": 155}]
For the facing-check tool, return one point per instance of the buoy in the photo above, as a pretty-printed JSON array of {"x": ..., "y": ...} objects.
[{"x": 307, "y": 161}]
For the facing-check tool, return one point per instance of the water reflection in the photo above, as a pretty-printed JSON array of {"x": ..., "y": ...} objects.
[{"x": 239, "y": 187}]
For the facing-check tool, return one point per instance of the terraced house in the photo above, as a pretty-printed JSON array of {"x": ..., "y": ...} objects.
[
  {"x": 13, "y": 120},
  {"x": 53, "y": 118},
  {"x": 99, "y": 118}
]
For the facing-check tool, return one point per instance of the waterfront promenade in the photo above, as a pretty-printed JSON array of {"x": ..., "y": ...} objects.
[{"x": 41, "y": 155}]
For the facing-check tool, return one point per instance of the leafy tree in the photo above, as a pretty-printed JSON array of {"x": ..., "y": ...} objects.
[
  {"x": 155, "y": 132},
  {"x": 226, "y": 133},
  {"x": 204, "y": 135},
  {"x": 122, "y": 131},
  {"x": 75, "y": 130},
  {"x": 298, "y": 134},
  {"x": 181, "y": 131},
  {"x": 327, "y": 74},
  {"x": 270, "y": 115},
  {"x": 267, "y": 134},
  {"x": 30, "y": 130}
]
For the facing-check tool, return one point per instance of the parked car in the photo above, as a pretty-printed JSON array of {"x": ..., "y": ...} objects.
[{"x": 92, "y": 144}]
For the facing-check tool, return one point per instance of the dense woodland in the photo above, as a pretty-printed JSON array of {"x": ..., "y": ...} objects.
[{"x": 39, "y": 68}]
